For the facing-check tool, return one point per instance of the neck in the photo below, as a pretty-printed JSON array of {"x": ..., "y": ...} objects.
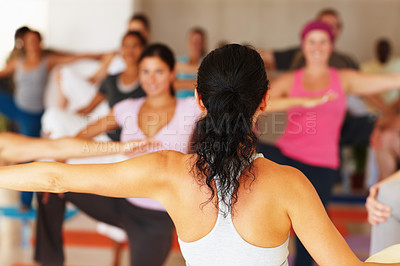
[
  {"x": 160, "y": 101},
  {"x": 131, "y": 69},
  {"x": 316, "y": 69},
  {"x": 33, "y": 55}
]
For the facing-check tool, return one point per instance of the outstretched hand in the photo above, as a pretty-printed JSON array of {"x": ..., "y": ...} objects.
[
  {"x": 315, "y": 101},
  {"x": 377, "y": 212},
  {"x": 136, "y": 147}
]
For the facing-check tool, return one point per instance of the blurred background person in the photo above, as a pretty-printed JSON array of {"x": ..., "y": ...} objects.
[{"x": 187, "y": 65}]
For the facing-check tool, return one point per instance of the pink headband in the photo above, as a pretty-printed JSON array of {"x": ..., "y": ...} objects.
[{"x": 317, "y": 25}]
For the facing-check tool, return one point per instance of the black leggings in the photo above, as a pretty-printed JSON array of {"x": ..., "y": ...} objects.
[
  {"x": 320, "y": 177},
  {"x": 149, "y": 231}
]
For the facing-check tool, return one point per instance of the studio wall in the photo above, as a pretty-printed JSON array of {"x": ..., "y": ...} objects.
[{"x": 272, "y": 24}]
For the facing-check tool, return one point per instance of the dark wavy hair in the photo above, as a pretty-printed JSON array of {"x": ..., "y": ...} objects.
[
  {"x": 164, "y": 53},
  {"x": 231, "y": 84}
]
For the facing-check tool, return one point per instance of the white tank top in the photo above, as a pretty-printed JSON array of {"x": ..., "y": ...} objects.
[{"x": 224, "y": 246}]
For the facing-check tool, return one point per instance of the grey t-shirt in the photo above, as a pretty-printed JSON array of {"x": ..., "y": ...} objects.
[{"x": 30, "y": 85}]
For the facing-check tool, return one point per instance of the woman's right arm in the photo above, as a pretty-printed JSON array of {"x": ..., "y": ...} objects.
[
  {"x": 313, "y": 226},
  {"x": 111, "y": 180},
  {"x": 102, "y": 72},
  {"x": 279, "y": 99},
  {"x": 284, "y": 104},
  {"x": 9, "y": 68},
  {"x": 97, "y": 99},
  {"x": 102, "y": 125}
]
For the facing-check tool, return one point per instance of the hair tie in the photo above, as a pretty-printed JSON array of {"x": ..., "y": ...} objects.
[{"x": 229, "y": 88}]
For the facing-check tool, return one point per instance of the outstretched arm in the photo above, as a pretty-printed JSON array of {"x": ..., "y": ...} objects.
[
  {"x": 56, "y": 59},
  {"x": 279, "y": 99},
  {"x": 102, "y": 125},
  {"x": 130, "y": 178},
  {"x": 314, "y": 228},
  {"x": 359, "y": 83},
  {"x": 284, "y": 104},
  {"x": 9, "y": 68},
  {"x": 15, "y": 148}
]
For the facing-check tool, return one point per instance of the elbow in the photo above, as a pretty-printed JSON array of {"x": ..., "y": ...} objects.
[
  {"x": 55, "y": 181},
  {"x": 54, "y": 185}
]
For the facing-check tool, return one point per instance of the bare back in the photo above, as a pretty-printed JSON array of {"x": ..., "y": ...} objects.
[{"x": 257, "y": 201}]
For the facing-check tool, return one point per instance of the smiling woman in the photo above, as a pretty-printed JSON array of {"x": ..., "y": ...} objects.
[{"x": 313, "y": 146}]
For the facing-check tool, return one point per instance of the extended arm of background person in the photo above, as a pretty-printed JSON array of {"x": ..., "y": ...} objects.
[
  {"x": 17, "y": 148},
  {"x": 102, "y": 125},
  {"x": 9, "y": 69},
  {"x": 56, "y": 59},
  {"x": 184, "y": 84},
  {"x": 378, "y": 212},
  {"x": 97, "y": 99},
  {"x": 359, "y": 83},
  {"x": 279, "y": 99},
  {"x": 102, "y": 72},
  {"x": 284, "y": 104},
  {"x": 313, "y": 226}
]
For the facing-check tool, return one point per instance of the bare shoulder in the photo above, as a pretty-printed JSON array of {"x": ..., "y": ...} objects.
[
  {"x": 279, "y": 177},
  {"x": 347, "y": 74},
  {"x": 167, "y": 163}
]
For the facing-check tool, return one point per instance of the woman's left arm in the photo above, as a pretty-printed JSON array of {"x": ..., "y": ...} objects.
[
  {"x": 130, "y": 178},
  {"x": 355, "y": 82}
]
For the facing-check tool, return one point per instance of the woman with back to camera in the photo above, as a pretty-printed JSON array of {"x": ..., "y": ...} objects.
[
  {"x": 310, "y": 142},
  {"x": 229, "y": 205}
]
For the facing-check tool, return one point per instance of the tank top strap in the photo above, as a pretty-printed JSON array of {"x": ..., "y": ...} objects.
[
  {"x": 41, "y": 68},
  {"x": 297, "y": 82},
  {"x": 223, "y": 208},
  {"x": 45, "y": 62},
  {"x": 335, "y": 84},
  {"x": 20, "y": 63}
]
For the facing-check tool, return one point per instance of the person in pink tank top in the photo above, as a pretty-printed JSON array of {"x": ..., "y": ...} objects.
[{"x": 310, "y": 141}]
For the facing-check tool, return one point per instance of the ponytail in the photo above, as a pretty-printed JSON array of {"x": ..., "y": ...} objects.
[{"x": 231, "y": 83}]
